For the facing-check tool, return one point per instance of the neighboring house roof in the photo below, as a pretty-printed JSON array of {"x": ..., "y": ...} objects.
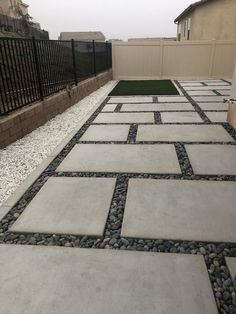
[
  {"x": 83, "y": 36},
  {"x": 190, "y": 9}
]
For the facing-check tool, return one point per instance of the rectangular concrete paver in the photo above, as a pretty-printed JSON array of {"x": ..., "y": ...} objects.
[
  {"x": 201, "y": 93},
  {"x": 212, "y": 159},
  {"x": 158, "y": 107},
  {"x": 109, "y": 108},
  {"x": 172, "y": 99},
  {"x": 204, "y": 88},
  {"x": 146, "y": 117},
  {"x": 217, "y": 116},
  {"x": 69, "y": 206},
  {"x": 215, "y": 84},
  {"x": 54, "y": 280},
  {"x": 208, "y": 98},
  {"x": 213, "y": 106},
  {"x": 106, "y": 133},
  {"x": 180, "y": 117},
  {"x": 224, "y": 92},
  {"x": 185, "y": 84},
  {"x": 130, "y": 99},
  {"x": 183, "y": 133},
  {"x": 180, "y": 210},
  {"x": 122, "y": 158}
]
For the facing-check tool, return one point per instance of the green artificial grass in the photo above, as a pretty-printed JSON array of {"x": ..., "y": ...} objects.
[{"x": 132, "y": 88}]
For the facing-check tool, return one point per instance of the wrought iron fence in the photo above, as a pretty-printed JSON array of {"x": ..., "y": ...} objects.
[{"x": 32, "y": 69}]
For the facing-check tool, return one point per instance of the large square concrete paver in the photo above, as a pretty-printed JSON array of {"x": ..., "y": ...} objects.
[
  {"x": 69, "y": 206},
  {"x": 212, "y": 159},
  {"x": 217, "y": 116},
  {"x": 115, "y": 117},
  {"x": 130, "y": 99},
  {"x": 213, "y": 106},
  {"x": 180, "y": 210},
  {"x": 158, "y": 107},
  {"x": 106, "y": 133},
  {"x": 172, "y": 99},
  {"x": 58, "y": 280},
  {"x": 183, "y": 133},
  {"x": 180, "y": 117},
  {"x": 122, "y": 158}
]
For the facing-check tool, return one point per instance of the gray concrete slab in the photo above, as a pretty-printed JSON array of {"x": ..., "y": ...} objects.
[
  {"x": 122, "y": 158},
  {"x": 201, "y": 93},
  {"x": 172, "y": 99},
  {"x": 212, "y": 159},
  {"x": 146, "y": 117},
  {"x": 183, "y": 133},
  {"x": 190, "y": 83},
  {"x": 216, "y": 84},
  {"x": 180, "y": 210},
  {"x": 217, "y": 116},
  {"x": 213, "y": 106},
  {"x": 130, "y": 99},
  {"x": 204, "y": 88},
  {"x": 231, "y": 263},
  {"x": 68, "y": 206},
  {"x": 157, "y": 107},
  {"x": 224, "y": 92},
  {"x": 181, "y": 117},
  {"x": 109, "y": 108},
  {"x": 106, "y": 133},
  {"x": 208, "y": 98},
  {"x": 58, "y": 280}
]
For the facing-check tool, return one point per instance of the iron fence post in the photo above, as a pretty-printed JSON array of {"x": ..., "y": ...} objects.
[
  {"x": 94, "y": 59},
  {"x": 39, "y": 79},
  {"x": 74, "y": 61}
]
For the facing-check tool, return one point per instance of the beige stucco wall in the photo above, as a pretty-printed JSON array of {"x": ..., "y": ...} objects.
[
  {"x": 176, "y": 60},
  {"x": 7, "y": 8},
  {"x": 213, "y": 20}
]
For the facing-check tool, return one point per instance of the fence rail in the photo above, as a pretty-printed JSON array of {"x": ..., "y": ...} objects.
[{"x": 32, "y": 69}]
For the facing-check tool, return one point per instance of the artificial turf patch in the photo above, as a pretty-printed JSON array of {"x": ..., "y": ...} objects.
[{"x": 153, "y": 87}]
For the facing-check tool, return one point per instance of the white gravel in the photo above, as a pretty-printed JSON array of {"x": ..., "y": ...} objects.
[{"x": 19, "y": 159}]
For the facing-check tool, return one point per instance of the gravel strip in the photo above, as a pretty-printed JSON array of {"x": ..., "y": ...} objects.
[{"x": 18, "y": 160}]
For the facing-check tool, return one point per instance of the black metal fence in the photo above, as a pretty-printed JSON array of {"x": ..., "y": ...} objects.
[
  {"x": 9, "y": 24},
  {"x": 32, "y": 69}
]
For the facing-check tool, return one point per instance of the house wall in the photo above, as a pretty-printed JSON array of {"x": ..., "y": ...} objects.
[
  {"x": 7, "y": 7},
  {"x": 175, "y": 60},
  {"x": 213, "y": 20}
]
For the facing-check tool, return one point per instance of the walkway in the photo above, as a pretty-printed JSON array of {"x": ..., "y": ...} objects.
[{"x": 135, "y": 215}]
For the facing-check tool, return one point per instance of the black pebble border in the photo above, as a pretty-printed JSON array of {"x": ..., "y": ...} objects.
[{"x": 214, "y": 253}]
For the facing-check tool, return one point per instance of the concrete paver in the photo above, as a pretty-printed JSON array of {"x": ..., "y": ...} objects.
[
  {"x": 183, "y": 133},
  {"x": 217, "y": 116},
  {"x": 157, "y": 107},
  {"x": 109, "y": 108},
  {"x": 106, "y": 133},
  {"x": 208, "y": 98},
  {"x": 122, "y": 158},
  {"x": 146, "y": 117},
  {"x": 69, "y": 206},
  {"x": 213, "y": 106},
  {"x": 212, "y": 159},
  {"x": 231, "y": 263},
  {"x": 180, "y": 210},
  {"x": 180, "y": 117},
  {"x": 172, "y": 99},
  {"x": 131, "y": 99},
  {"x": 88, "y": 281}
]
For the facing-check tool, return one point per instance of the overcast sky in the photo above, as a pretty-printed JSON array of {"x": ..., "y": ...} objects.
[{"x": 115, "y": 18}]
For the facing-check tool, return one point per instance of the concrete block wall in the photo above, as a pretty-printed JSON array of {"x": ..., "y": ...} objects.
[{"x": 25, "y": 120}]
